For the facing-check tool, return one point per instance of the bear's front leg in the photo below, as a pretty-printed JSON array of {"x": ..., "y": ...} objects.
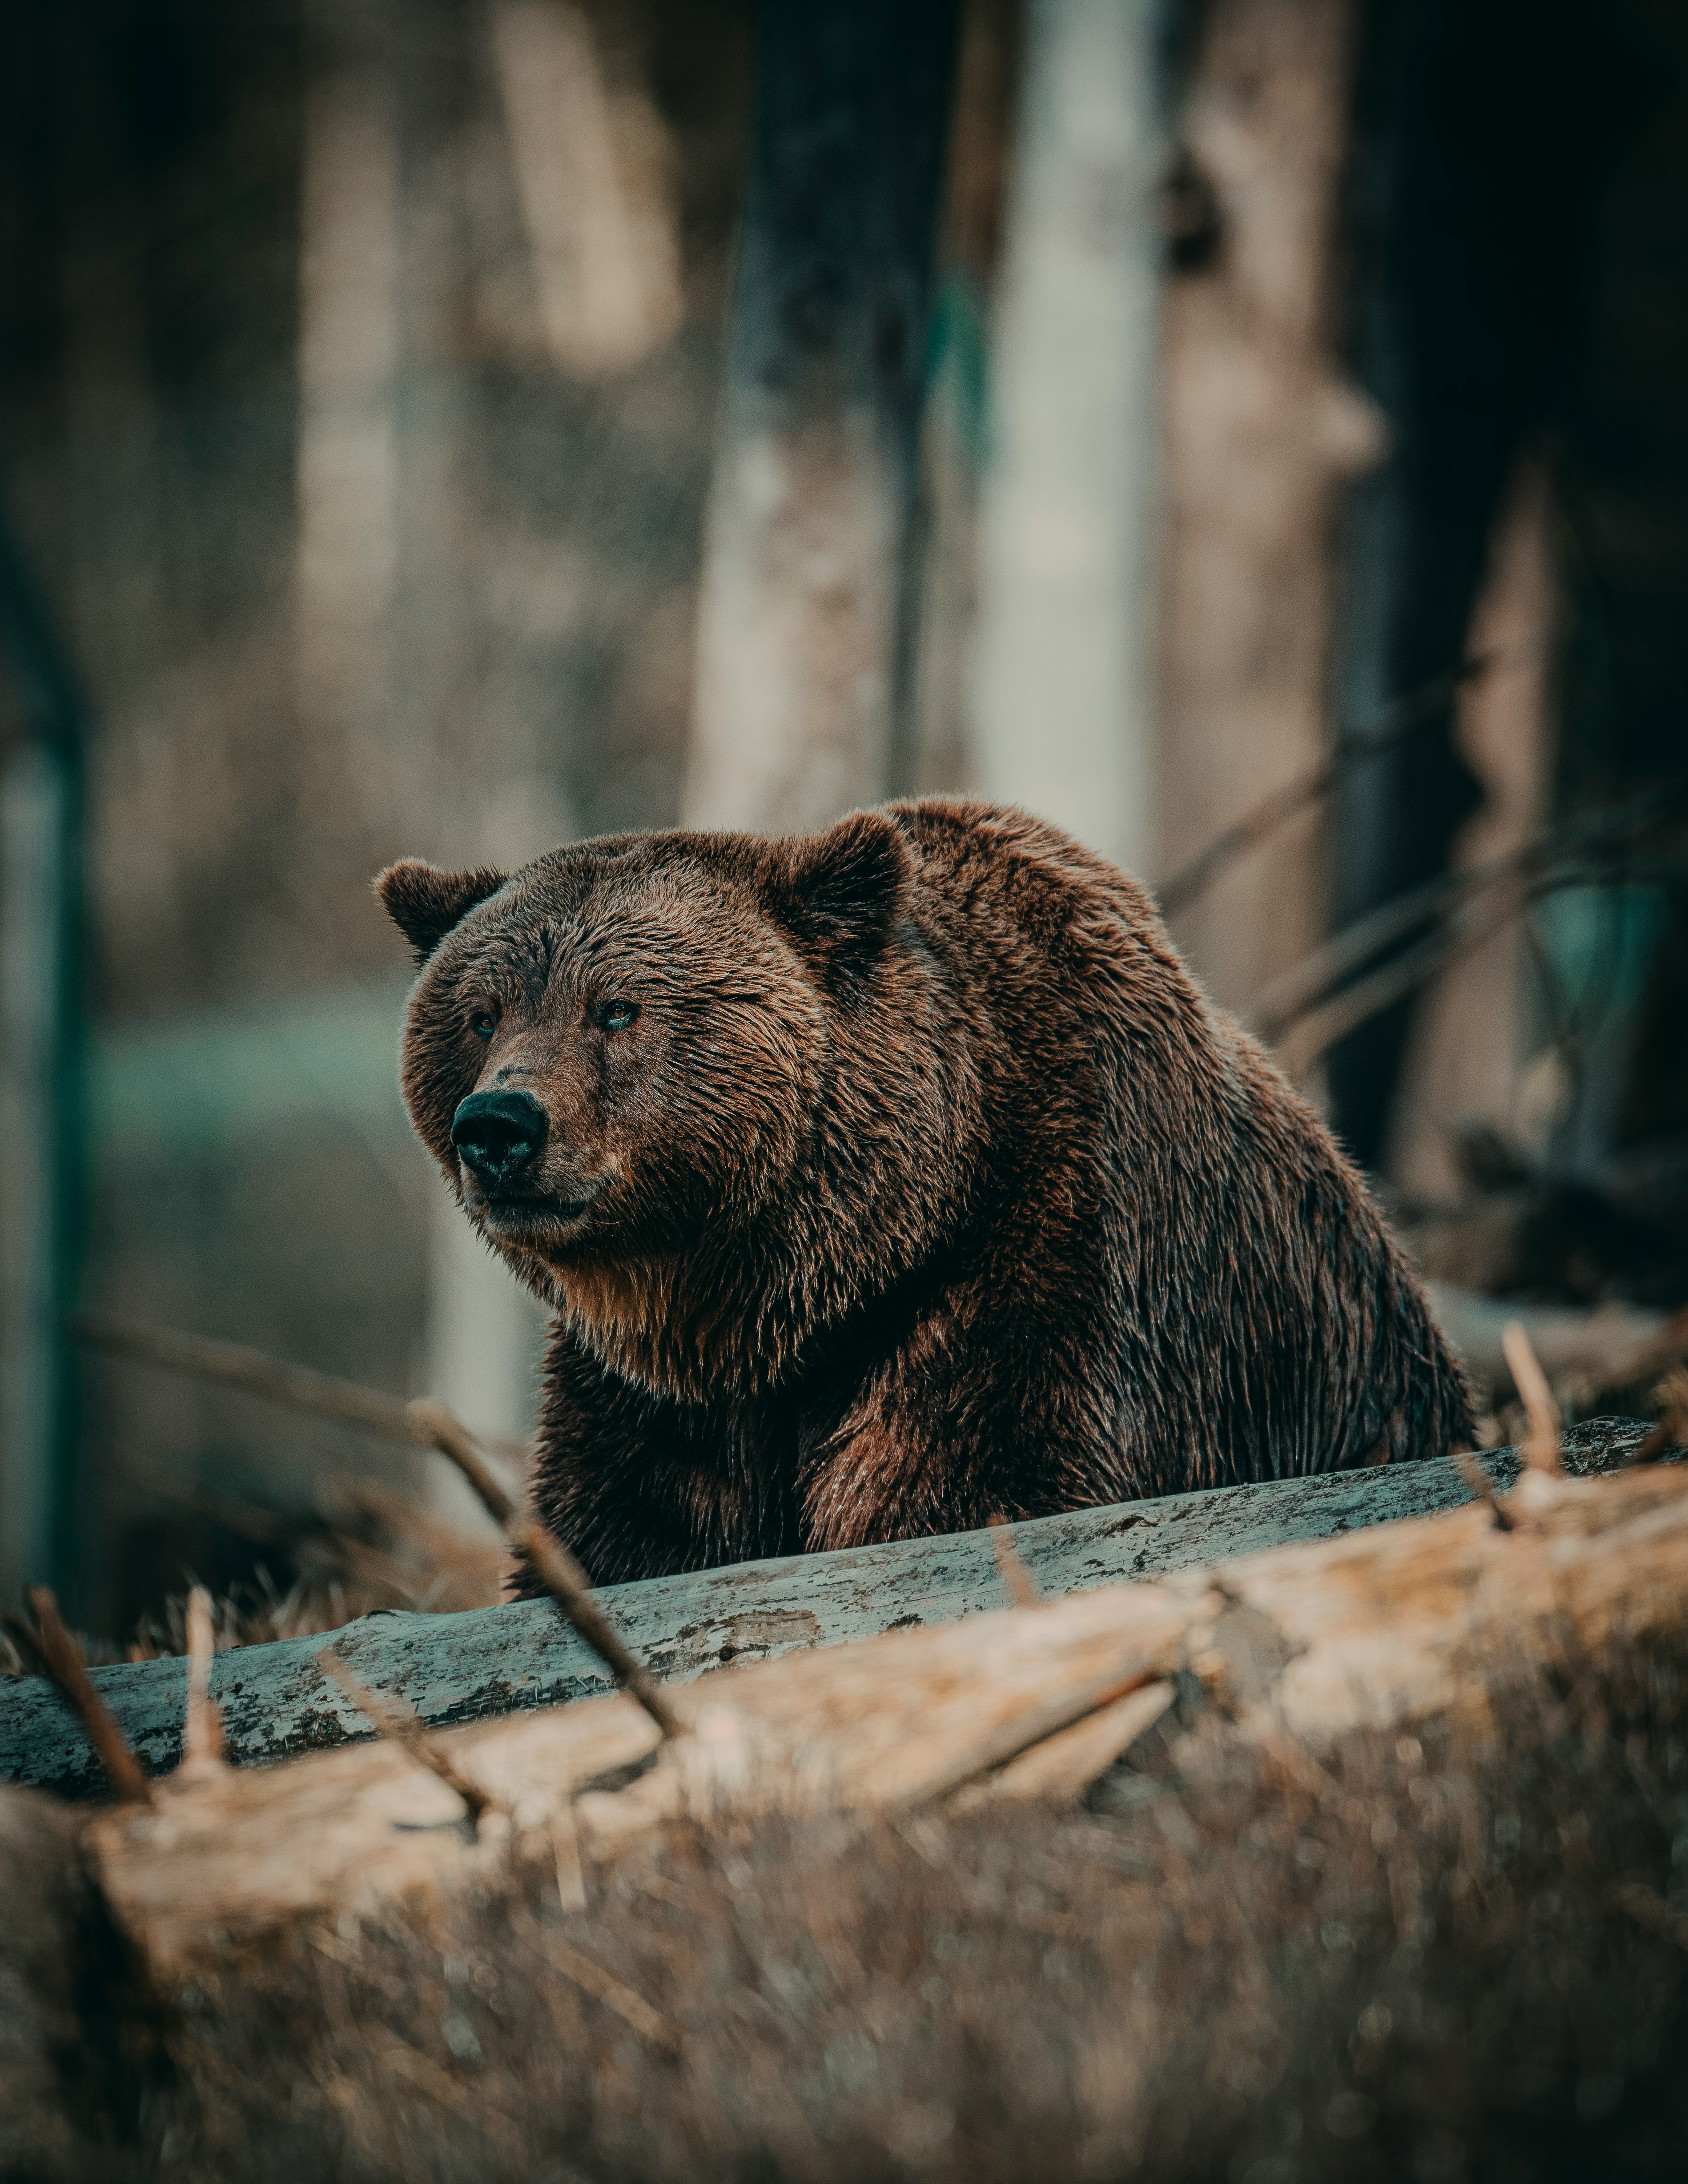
[
  {"x": 636, "y": 1486},
  {"x": 1003, "y": 1400}
]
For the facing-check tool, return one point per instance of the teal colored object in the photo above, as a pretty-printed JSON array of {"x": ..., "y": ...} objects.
[
  {"x": 1601, "y": 943},
  {"x": 199, "y": 1083},
  {"x": 958, "y": 364}
]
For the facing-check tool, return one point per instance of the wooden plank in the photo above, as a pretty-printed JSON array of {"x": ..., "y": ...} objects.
[{"x": 494, "y": 1661}]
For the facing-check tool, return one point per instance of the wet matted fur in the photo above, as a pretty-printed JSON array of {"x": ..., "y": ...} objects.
[{"x": 895, "y": 1178}]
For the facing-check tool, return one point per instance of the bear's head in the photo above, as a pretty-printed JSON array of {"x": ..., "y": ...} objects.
[{"x": 620, "y": 1051}]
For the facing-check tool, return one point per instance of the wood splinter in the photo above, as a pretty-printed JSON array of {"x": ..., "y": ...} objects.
[
  {"x": 62, "y": 1658},
  {"x": 1478, "y": 1480},
  {"x": 556, "y": 1569},
  {"x": 401, "y": 1726},
  {"x": 1007, "y": 1740},
  {"x": 1022, "y": 1586},
  {"x": 1542, "y": 1449},
  {"x": 201, "y": 1731},
  {"x": 565, "y": 1581}
]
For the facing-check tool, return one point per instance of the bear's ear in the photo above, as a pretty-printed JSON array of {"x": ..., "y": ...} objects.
[
  {"x": 841, "y": 892},
  {"x": 425, "y": 903}
]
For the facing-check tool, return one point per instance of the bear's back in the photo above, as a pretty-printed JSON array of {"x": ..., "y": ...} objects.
[{"x": 1267, "y": 1323}]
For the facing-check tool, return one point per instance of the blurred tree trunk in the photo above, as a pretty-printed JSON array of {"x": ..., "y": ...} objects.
[
  {"x": 803, "y": 639},
  {"x": 1062, "y": 703},
  {"x": 348, "y": 453},
  {"x": 42, "y": 1183},
  {"x": 1466, "y": 1060},
  {"x": 1485, "y": 132},
  {"x": 1262, "y": 431}
]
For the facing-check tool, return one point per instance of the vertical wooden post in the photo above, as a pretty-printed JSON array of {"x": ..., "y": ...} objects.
[
  {"x": 41, "y": 1150},
  {"x": 800, "y": 623}
]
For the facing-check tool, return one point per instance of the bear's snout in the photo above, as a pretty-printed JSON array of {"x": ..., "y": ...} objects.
[{"x": 499, "y": 1134}]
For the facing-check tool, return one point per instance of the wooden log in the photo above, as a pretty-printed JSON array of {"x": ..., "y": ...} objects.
[
  {"x": 1295, "y": 1647},
  {"x": 492, "y": 1661},
  {"x": 1612, "y": 1345}
]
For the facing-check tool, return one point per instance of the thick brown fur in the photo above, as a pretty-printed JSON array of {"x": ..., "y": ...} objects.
[{"x": 925, "y": 1185}]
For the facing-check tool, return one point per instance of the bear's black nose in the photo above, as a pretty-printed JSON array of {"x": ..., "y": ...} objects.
[{"x": 498, "y": 1134}]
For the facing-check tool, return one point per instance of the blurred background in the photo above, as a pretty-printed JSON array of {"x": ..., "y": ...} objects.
[{"x": 1252, "y": 432}]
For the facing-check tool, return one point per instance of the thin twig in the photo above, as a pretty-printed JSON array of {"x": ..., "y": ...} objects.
[
  {"x": 63, "y": 1659},
  {"x": 1300, "y": 990},
  {"x": 201, "y": 1731},
  {"x": 422, "y": 1422},
  {"x": 1671, "y": 1395},
  {"x": 1541, "y": 1450},
  {"x": 570, "y": 1867},
  {"x": 603, "y": 1986},
  {"x": 1317, "y": 1028},
  {"x": 1478, "y": 1480},
  {"x": 397, "y": 1722},
  {"x": 255, "y": 1373},
  {"x": 435, "y": 1426},
  {"x": 565, "y": 1581},
  {"x": 1356, "y": 748},
  {"x": 1022, "y": 1586}
]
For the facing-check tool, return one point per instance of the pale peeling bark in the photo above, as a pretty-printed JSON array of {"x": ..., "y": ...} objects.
[{"x": 797, "y": 620}]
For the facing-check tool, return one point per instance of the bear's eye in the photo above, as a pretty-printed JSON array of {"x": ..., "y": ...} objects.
[
  {"x": 613, "y": 1016},
  {"x": 483, "y": 1023}
]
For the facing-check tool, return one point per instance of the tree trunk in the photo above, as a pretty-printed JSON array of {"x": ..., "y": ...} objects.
[
  {"x": 1062, "y": 697},
  {"x": 802, "y": 631},
  {"x": 1261, "y": 430},
  {"x": 42, "y": 1154}
]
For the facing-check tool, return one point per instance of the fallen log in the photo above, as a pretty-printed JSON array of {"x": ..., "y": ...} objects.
[
  {"x": 1583, "y": 1352},
  {"x": 1294, "y": 1648},
  {"x": 484, "y": 1663}
]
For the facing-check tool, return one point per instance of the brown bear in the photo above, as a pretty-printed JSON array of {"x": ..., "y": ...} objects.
[{"x": 887, "y": 1179}]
